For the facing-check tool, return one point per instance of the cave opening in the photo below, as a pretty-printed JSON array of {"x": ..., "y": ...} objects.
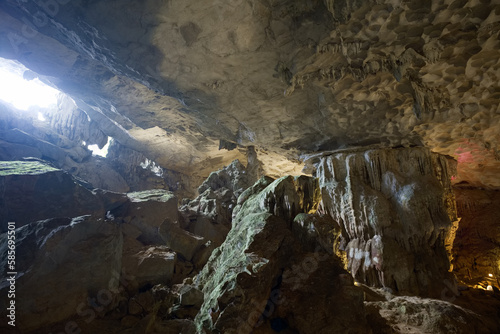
[{"x": 23, "y": 88}]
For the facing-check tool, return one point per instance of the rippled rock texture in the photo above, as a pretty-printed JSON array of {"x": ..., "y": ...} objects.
[
  {"x": 395, "y": 209},
  {"x": 193, "y": 84}
]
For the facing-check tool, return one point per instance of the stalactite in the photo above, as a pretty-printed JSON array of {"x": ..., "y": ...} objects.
[{"x": 396, "y": 208}]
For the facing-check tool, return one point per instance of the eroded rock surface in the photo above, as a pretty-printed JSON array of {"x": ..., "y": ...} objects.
[
  {"x": 33, "y": 190},
  {"x": 62, "y": 262},
  {"x": 289, "y": 78},
  {"x": 395, "y": 208},
  {"x": 139, "y": 268},
  {"x": 477, "y": 242},
  {"x": 260, "y": 281},
  {"x": 429, "y": 316},
  {"x": 210, "y": 214}
]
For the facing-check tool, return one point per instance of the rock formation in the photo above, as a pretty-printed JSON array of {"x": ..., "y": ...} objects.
[
  {"x": 395, "y": 209},
  {"x": 33, "y": 191},
  {"x": 475, "y": 250},
  {"x": 266, "y": 160},
  {"x": 265, "y": 262},
  {"x": 263, "y": 278}
]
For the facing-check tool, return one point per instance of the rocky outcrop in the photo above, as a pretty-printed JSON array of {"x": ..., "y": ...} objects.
[
  {"x": 105, "y": 263},
  {"x": 33, "y": 190},
  {"x": 139, "y": 268},
  {"x": 142, "y": 173},
  {"x": 476, "y": 249},
  {"x": 262, "y": 279},
  {"x": 148, "y": 210},
  {"x": 66, "y": 267},
  {"x": 210, "y": 214},
  {"x": 395, "y": 208},
  {"x": 427, "y": 316}
]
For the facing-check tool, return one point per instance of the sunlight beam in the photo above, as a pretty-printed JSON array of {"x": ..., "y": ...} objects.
[{"x": 22, "y": 93}]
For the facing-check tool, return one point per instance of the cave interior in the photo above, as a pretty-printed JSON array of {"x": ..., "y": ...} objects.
[{"x": 250, "y": 166}]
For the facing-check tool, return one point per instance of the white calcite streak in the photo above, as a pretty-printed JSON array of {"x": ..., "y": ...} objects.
[{"x": 395, "y": 208}]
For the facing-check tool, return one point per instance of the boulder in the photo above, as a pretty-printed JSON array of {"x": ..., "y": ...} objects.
[
  {"x": 148, "y": 209},
  {"x": 34, "y": 190},
  {"x": 180, "y": 240},
  {"x": 150, "y": 265},
  {"x": 65, "y": 267},
  {"x": 191, "y": 296},
  {"x": 406, "y": 314}
]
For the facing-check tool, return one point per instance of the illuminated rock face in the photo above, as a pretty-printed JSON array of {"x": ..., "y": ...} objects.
[
  {"x": 265, "y": 276},
  {"x": 394, "y": 208},
  {"x": 476, "y": 248}
]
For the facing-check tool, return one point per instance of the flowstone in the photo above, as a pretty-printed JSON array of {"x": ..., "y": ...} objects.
[{"x": 395, "y": 208}]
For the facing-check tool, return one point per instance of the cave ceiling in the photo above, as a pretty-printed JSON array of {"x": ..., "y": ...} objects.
[{"x": 185, "y": 82}]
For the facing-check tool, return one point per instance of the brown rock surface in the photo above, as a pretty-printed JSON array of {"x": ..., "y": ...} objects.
[
  {"x": 147, "y": 210},
  {"x": 64, "y": 264},
  {"x": 431, "y": 316},
  {"x": 185, "y": 87},
  {"x": 476, "y": 249}
]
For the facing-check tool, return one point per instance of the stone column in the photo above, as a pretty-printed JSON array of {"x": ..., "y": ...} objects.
[{"x": 395, "y": 208}]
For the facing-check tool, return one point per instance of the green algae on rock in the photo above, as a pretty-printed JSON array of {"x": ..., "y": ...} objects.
[{"x": 24, "y": 168}]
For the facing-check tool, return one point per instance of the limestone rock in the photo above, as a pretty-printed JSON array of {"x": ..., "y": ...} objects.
[
  {"x": 209, "y": 215},
  {"x": 476, "y": 249},
  {"x": 309, "y": 295},
  {"x": 191, "y": 296},
  {"x": 13, "y": 151},
  {"x": 395, "y": 208},
  {"x": 233, "y": 177},
  {"x": 180, "y": 240},
  {"x": 244, "y": 278},
  {"x": 217, "y": 197},
  {"x": 99, "y": 173},
  {"x": 33, "y": 190},
  {"x": 421, "y": 315},
  {"x": 183, "y": 270},
  {"x": 148, "y": 209},
  {"x": 315, "y": 230},
  {"x": 290, "y": 78},
  {"x": 150, "y": 265},
  {"x": 67, "y": 264}
]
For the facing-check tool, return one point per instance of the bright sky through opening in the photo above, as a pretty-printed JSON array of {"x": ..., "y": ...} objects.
[
  {"x": 22, "y": 93},
  {"x": 100, "y": 152}
]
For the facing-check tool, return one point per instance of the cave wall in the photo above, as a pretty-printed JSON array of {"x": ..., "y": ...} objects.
[
  {"x": 395, "y": 209},
  {"x": 185, "y": 87},
  {"x": 477, "y": 242}
]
